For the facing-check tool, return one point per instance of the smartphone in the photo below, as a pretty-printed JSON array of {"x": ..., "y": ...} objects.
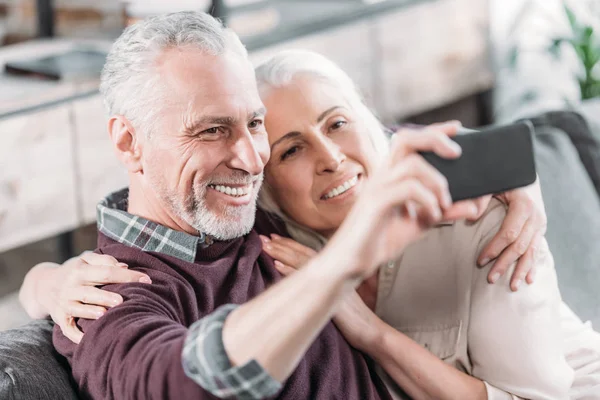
[{"x": 493, "y": 160}]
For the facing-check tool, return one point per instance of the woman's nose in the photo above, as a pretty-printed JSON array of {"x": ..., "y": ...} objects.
[{"x": 330, "y": 156}]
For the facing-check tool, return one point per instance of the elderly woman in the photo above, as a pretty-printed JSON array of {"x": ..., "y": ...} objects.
[{"x": 431, "y": 319}]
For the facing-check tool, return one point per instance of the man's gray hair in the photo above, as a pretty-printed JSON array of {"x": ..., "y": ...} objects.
[{"x": 128, "y": 82}]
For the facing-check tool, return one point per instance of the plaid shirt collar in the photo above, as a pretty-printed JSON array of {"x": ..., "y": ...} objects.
[{"x": 128, "y": 229}]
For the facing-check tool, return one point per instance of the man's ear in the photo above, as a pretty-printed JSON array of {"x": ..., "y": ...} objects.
[{"x": 126, "y": 144}]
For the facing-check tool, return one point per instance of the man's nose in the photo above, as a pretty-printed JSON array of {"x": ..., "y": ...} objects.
[
  {"x": 330, "y": 156},
  {"x": 246, "y": 155}
]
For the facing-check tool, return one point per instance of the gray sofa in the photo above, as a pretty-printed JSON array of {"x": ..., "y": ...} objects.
[{"x": 568, "y": 162}]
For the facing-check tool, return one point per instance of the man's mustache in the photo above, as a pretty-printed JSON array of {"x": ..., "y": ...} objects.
[{"x": 240, "y": 178}]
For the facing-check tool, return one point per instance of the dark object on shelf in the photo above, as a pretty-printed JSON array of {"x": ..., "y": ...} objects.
[
  {"x": 218, "y": 9},
  {"x": 45, "y": 17},
  {"x": 74, "y": 64}
]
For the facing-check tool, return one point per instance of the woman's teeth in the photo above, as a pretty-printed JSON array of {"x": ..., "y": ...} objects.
[
  {"x": 349, "y": 184},
  {"x": 231, "y": 191}
]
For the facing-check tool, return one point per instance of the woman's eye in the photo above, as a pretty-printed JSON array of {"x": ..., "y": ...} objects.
[
  {"x": 255, "y": 123},
  {"x": 291, "y": 151},
  {"x": 337, "y": 125}
]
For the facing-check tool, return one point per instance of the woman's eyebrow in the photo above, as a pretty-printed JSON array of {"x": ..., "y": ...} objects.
[
  {"x": 289, "y": 135},
  {"x": 326, "y": 112}
]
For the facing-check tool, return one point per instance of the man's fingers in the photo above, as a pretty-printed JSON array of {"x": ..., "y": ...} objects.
[
  {"x": 102, "y": 275},
  {"x": 514, "y": 222},
  {"x": 450, "y": 128},
  {"x": 94, "y": 296},
  {"x": 461, "y": 209},
  {"x": 517, "y": 253},
  {"x": 481, "y": 204},
  {"x": 537, "y": 250},
  {"x": 415, "y": 167},
  {"x": 101, "y": 259},
  {"x": 412, "y": 191},
  {"x": 409, "y": 142}
]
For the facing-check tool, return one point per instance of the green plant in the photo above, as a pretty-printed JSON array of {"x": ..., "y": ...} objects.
[{"x": 586, "y": 44}]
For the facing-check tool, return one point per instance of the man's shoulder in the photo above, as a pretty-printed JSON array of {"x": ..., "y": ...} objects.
[{"x": 162, "y": 269}]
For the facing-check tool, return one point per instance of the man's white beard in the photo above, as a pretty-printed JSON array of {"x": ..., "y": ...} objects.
[{"x": 229, "y": 222}]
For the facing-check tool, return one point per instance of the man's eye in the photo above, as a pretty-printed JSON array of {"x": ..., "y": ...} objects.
[
  {"x": 255, "y": 123},
  {"x": 291, "y": 151},
  {"x": 211, "y": 131}
]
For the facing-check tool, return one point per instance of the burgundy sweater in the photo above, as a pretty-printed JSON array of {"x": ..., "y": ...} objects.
[{"x": 134, "y": 350}]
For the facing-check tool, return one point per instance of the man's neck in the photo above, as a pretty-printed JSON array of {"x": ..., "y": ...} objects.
[{"x": 145, "y": 204}]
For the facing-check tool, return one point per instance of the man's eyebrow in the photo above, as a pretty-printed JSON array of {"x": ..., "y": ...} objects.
[
  {"x": 218, "y": 120},
  {"x": 261, "y": 112},
  {"x": 324, "y": 113},
  {"x": 289, "y": 135}
]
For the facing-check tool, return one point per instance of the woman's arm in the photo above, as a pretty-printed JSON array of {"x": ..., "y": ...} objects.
[
  {"x": 69, "y": 291},
  {"x": 418, "y": 372},
  {"x": 422, "y": 375},
  {"x": 514, "y": 338},
  {"x": 28, "y": 294}
]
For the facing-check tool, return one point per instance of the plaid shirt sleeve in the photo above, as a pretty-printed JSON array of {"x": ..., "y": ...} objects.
[{"x": 206, "y": 362}]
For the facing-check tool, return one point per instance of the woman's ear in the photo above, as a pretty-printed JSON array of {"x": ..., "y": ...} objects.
[{"x": 126, "y": 144}]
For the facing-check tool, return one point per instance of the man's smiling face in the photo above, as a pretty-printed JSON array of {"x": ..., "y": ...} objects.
[{"x": 204, "y": 160}]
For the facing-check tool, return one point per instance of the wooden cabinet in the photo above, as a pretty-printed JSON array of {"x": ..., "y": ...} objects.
[
  {"x": 37, "y": 185},
  {"x": 99, "y": 172},
  {"x": 432, "y": 54},
  {"x": 348, "y": 46}
]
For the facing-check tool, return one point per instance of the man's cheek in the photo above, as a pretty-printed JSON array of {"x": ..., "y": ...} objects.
[{"x": 261, "y": 142}]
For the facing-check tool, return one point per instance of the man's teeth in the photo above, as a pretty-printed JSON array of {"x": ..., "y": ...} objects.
[
  {"x": 350, "y": 183},
  {"x": 231, "y": 191}
]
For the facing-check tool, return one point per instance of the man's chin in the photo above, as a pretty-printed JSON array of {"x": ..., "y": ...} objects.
[{"x": 227, "y": 224}]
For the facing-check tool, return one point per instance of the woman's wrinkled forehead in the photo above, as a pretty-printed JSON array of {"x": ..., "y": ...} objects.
[{"x": 299, "y": 104}]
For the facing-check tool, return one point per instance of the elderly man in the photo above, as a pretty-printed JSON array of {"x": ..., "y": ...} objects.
[{"x": 187, "y": 122}]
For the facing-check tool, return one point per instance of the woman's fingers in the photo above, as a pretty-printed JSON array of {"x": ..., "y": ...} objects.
[
  {"x": 101, "y": 259},
  {"x": 102, "y": 275},
  {"x": 284, "y": 253},
  {"x": 85, "y": 311},
  {"x": 69, "y": 328},
  {"x": 94, "y": 296},
  {"x": 284, "y": 269},
  {"x": 291, "y": 243}
]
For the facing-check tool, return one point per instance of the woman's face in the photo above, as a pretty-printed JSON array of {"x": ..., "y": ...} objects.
[{"x": 320, "y": 153}]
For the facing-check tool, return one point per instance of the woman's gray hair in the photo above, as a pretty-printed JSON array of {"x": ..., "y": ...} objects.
[
  {"x": 130, "y": 85},
  {"x": 279, "y": 71}
]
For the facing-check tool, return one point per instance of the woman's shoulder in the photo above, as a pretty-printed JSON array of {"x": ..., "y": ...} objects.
[
  {"x": 461, "y": 240},
  {"x": 477, "y": 233}
]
